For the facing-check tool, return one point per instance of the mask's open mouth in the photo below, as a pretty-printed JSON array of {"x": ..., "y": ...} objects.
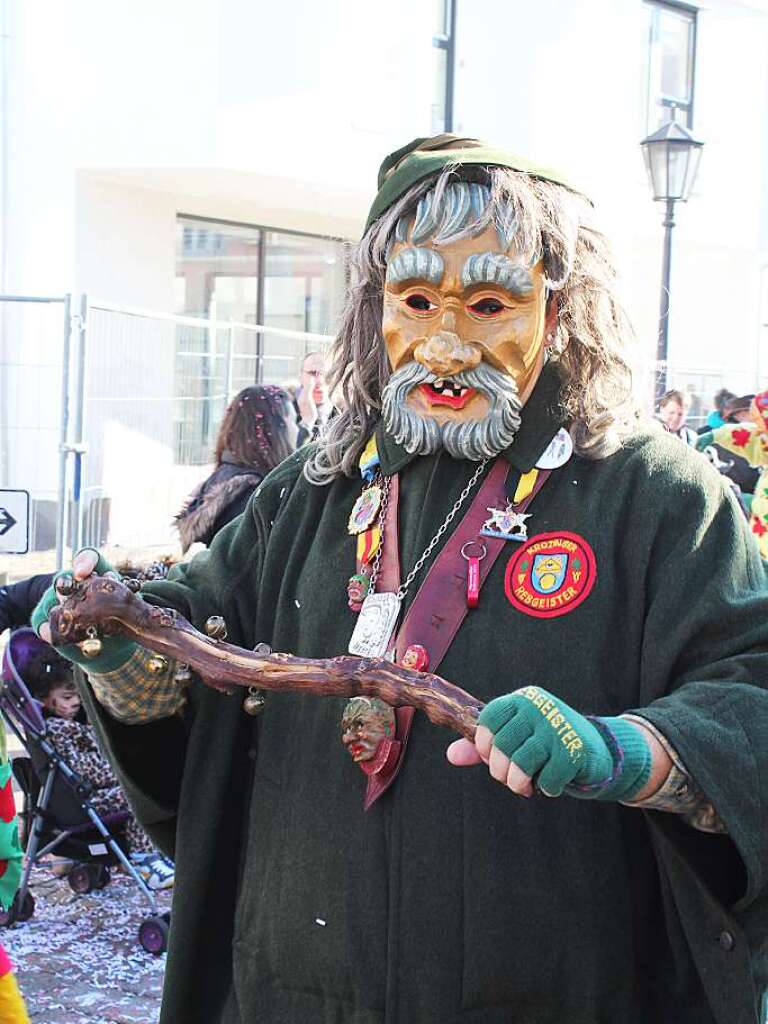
[{"x": 445, "y": 391}]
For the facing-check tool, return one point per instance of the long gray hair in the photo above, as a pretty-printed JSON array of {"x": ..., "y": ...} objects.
[{"x": 541, "y": 221}]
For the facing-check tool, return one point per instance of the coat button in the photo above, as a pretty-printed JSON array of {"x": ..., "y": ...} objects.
[{"x": 726, "y": 941}]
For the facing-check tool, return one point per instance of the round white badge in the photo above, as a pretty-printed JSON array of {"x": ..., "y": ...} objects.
[{"x": 557, "y": 452}]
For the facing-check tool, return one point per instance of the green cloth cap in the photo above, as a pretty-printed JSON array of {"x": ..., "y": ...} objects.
[{"x": 426, "y": 156}]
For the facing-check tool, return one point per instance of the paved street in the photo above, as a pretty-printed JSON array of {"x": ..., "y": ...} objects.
[{"x": 78, "y": 960}]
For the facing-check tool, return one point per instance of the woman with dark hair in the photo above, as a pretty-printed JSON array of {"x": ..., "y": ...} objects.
[{"x": 258, "y": 431}]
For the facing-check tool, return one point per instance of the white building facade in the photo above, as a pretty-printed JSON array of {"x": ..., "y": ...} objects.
[{"x": 213, "y": 158}]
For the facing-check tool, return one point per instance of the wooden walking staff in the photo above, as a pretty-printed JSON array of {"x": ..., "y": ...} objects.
[{"x": 106, "y": 605}]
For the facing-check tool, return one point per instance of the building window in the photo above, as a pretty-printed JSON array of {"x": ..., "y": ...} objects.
[
  {"x": 443, "y": 46},
  {"x": 237, "y": 275},
  {"x": 671, "y": 62}
]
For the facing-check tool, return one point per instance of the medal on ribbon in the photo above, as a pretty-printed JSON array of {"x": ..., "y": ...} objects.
[{"x": 365, "y": 510}]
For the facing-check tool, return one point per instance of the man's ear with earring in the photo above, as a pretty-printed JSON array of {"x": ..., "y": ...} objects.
[{"x": 550, "y": 327}]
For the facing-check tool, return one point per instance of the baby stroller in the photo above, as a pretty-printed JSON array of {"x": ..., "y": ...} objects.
[{"x": 57, "y": 812}]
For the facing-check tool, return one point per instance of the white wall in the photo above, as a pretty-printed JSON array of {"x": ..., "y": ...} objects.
[
  {"x": 310, "y": 95},
  {"x": 119, "y": 117}
]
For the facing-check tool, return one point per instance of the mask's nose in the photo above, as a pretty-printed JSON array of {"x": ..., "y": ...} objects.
[{"x": 445, "y": 354}]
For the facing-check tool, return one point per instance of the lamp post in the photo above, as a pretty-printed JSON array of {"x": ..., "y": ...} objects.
[{"x": 672, "y": 158}]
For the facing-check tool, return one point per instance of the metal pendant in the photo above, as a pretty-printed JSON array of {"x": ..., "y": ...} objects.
[
  {"x": 375, "y": 625},
  {"x": 504, "y": 524},
  {"x": 365, "y": 510}
]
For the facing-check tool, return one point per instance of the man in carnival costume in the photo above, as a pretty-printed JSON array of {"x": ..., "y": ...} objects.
[{"x": 597, "y": 588}]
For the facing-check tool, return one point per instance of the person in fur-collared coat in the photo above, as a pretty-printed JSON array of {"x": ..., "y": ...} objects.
[{"x": 258, "y": 431}]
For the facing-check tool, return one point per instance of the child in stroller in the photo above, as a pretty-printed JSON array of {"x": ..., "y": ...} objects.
[
  {"x": 59, "y": 814},
  {"x": 50, "y": 681}
]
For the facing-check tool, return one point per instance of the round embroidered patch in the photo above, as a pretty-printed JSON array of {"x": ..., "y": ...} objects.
[{"x": 551, "y": 574}]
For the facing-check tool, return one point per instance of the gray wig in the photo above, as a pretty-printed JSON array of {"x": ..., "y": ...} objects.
[{"x": 538, "y": 220}]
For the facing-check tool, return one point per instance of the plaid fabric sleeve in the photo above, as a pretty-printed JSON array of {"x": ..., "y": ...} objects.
[
  {"x": 678, "y": 794},
  {"x": 134, "y": 695}
]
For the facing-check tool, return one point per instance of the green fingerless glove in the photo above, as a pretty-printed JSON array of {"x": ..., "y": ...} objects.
[
  {"x": 115, "y": 650},
  {"x": 590, "y": 758}
]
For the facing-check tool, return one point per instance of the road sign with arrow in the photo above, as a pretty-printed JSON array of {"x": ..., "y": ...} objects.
[{"x": 14, "y": 522}]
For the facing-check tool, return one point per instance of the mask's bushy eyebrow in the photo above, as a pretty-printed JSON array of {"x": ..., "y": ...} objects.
[
  {"x": 495, "y": 268},
  {"x": 415, "y": 262}
]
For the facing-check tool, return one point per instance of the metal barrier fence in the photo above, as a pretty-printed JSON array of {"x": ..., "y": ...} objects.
[
  {"x": 35, "y": 348},
  {"x": 154, "y": 392},
  {"x": 109, "y": 414}
]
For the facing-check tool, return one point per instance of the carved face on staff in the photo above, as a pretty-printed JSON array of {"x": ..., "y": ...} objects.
[
  {"x": 366, "y": 723},
  {"x": 464, "y": 324}
]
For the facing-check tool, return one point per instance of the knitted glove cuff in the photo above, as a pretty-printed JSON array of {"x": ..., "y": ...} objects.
[{"x": 631, "y": 757}]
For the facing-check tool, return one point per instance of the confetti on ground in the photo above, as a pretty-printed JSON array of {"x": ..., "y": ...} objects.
[{"x": 78, "y": 959}]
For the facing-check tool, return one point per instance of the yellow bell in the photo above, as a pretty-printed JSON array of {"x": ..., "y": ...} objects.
[
  {"x": 91, "y": 647},
  {"x": 157, "y": 664}
]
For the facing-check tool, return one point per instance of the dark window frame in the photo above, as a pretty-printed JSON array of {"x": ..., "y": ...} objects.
[
  {"x": 192, "y": 442},
  {"x": 688, "y": 108}
]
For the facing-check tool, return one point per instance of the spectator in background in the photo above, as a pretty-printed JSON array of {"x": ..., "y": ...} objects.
[
  {"x": 673, "y": 410},
  {"x": 717, "y": 417},
  {"x": 738, "y": 469},
  {"x": 258, "y": 431},
  {"x": 18, "y": 599},
  {"x": 748, "y": 439},
  {"x": 312, "y": 401},
  {"x": 736, "y": 409}
]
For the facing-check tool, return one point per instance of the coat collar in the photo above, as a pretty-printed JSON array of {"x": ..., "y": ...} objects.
[{"x": 541, "y": 419}]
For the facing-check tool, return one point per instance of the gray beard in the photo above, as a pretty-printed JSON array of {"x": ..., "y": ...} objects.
[{"x": 470, "y": 439}]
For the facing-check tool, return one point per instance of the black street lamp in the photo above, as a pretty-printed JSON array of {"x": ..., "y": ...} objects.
[{"x": 672, "y": 158}]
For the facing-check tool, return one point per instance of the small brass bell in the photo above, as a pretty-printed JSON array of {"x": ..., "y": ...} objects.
[
  {"x": 65, "y": 585},
  {"x": 182, "y": 675},
  {"x": 91, "y": 646},
  {"x": 157, "y": 664},
  {"x": 216, "y": 627},
  {"x": 254, "y": 701}
]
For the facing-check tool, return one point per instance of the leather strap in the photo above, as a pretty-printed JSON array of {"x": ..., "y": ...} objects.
[{"x": 440, "y": 605}]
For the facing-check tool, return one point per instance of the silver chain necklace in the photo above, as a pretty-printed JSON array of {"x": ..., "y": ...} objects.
[
  {"x": 379, "y": 613},
  {"x": 403, "y": 589}
]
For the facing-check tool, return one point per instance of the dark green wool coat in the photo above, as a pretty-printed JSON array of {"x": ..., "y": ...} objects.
[{"x": 452, "y": 900}]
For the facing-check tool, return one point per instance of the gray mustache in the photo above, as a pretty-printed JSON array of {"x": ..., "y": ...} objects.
[{"x": 473, "y": 439}]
